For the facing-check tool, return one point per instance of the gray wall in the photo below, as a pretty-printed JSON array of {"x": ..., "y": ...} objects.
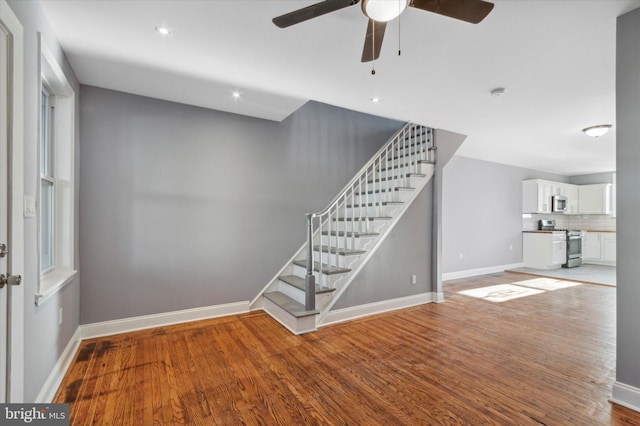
[
  {"x": 628, "y": 177},
  {"x": 409, "y": 249},
  {"x": 592, "y": 178},
  {"x": 183, "y": 207},
  {"x": 405, "y": 252},
  {"x": 482, "y": 213},
  {"x": 44, "y": 339}
]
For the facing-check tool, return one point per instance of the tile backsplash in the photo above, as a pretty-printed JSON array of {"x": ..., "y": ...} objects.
[{"x": 587, "y": 222}]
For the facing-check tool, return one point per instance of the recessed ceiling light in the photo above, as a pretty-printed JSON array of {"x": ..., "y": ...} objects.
[
  {"x": 599, "y": 130},
  {"x": 236, "y": 94},
  {"x": 162, "y": 30},
  {"x": 498, "y": 91},
  {"x": 375, "y": 100}
]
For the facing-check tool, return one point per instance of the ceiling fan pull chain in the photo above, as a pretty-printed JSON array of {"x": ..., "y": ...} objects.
[
  {"x": 399, "y": 50},
  {"x": 373, "y": 48}
]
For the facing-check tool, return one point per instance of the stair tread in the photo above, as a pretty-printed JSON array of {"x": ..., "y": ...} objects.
[
  {"x": 351, "y": 234},
  {"x": 384, "y": 203},
  {"x": 290, "y": 305},
  {"x": 299, "y": 283},
  {"x": 384, "y": 169},
  {"x": 398, "y": 188},
  {"x": 324, "y": 268},
  {"x": 351, "y": 219},
  {"x": 341, "y": 252},
  {"x": 397, "y": 177}
]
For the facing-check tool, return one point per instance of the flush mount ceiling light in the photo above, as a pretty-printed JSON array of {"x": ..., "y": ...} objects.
[
  {"x": 162, "y": 30},
  {"x": 383, "y": 10},
  {"x": 596, "y": 131}
]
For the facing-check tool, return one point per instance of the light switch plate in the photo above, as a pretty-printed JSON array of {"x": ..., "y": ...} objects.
[{"x": 29, "y": 206}]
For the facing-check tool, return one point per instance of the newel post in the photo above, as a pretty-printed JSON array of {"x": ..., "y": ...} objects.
[{"x": 309, "y": 279}]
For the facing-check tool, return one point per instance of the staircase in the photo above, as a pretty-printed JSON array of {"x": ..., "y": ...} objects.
[{"x": 344, "y": 236}]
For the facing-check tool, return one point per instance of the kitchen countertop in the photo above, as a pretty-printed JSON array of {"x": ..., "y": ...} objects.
[
  {"x": 537, "y": 231},
  {"x": 541, "y": 232}
]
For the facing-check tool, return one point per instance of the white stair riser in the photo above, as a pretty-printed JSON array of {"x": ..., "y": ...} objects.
[
  {"x": 376, "y": 210},
  {"x": 411, "y": 182},
  {"x": 365, "y": 226},
  {"x": 327, "y": 280},
  {"x": 350, "y": 243},
  {"x": 377, "y": 197},
  {"x": 335, "y": 260},
  {"x": 404, "y": 167},
  {"x": 298, "y": 295},
  {"x": 293, "y": 292},
  {"x": 400, "y": 195}
]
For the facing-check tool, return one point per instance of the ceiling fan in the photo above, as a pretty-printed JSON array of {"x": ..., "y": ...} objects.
[{"x": 380, "y": 12}]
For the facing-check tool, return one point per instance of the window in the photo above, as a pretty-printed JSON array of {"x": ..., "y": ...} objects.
[
  {"x": 56, "y": 188},
  {"x": 47, "y": 181}
]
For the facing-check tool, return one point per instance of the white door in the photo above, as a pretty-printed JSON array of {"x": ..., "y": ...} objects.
[
  {"x": 4, "y": 202},
  {"x": 11, "y": 196}
]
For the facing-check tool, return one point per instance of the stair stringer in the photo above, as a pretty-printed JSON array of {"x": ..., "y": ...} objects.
[{"x": 325, "y": 307}]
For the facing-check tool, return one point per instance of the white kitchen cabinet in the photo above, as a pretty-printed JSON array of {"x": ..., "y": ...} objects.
[
  {"x": 608, "y": 240},
  {"x": 595, "y": 199},
  {"x": 544, "y": 250},
  {"x": 591, "y": 247},
  {"x": 536, "y": 196},
  {"x": 599, "y": 248},
  {"x": 572, "y": 194}
]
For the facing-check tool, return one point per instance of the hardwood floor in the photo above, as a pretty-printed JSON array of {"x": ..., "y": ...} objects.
[{"x": 546, "y": 359}]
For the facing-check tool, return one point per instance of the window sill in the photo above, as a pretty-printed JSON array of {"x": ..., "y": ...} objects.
[{"x": 52, "y": 283}]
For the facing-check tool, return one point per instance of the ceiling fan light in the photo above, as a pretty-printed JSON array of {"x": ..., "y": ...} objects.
[
  {"x": 596, "y": 131},
  {"x": 383, "y": 10}
]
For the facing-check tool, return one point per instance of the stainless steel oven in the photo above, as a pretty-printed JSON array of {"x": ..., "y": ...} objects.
[{"x": 574, "y": 248}]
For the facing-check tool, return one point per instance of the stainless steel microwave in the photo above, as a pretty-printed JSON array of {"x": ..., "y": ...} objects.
[{"x": 559, "y": 204}]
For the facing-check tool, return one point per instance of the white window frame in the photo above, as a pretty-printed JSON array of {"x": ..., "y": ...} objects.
[
  {"x": 62, "y": 272},
  {"x": 47, "y": 167}
]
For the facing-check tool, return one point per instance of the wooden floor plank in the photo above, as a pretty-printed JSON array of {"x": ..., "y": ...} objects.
[{"x": 546, "y": 359}]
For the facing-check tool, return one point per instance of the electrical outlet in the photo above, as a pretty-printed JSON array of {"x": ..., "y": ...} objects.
[
  {"x": 60, "y": 316},
  {"x": 414, "y": 280},
  {"x": 460, "y": 256},
  {"x": 510, "y": 247}
]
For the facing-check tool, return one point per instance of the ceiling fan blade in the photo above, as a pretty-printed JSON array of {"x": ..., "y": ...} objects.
[
  {"x": 472, "y": 11},
  {"x": 311, "y": 12},
  {"x": 375, "y": 34}
]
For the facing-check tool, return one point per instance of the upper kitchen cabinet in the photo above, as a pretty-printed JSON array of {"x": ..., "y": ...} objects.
[
  {"x": 595, "y": 199},
  {"x": 537, "y": 196},
  {"x": 572, "y": 194}
]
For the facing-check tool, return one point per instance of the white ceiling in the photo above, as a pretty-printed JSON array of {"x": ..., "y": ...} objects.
[{"x": 555, "y": 58}]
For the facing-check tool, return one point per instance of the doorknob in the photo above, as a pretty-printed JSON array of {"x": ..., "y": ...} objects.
[
  {"x": 3, "y": 250},
  {"x": 10, "y": 280}
]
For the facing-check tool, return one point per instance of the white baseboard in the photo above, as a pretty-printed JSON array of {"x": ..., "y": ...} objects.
[
  {"x": 52, "y": 383},
  {"x": 346, "y": 314},
  {"x": 480, "y": 271},
  {"x": 626, "y": 395},
  {"x": 126, "y": 325}
]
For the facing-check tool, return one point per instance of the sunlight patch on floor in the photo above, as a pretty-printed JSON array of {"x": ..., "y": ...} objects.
[
  {"x": 504, "y": 292},
  {"x": 501, "y": 292},
  {"x": 547, "y": 283}
]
